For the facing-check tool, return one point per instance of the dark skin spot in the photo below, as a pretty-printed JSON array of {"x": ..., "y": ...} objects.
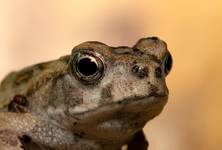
[
  {"x": 153, "y": 90},
  {"x": 134, "y": 62},
  {"x": 158, "y": 72},
  {"x": 154, "y": 58},
  {"x": 144, "y": 72},
  {"x": 19, "y": 104},
  {"x": 106, "y": 94},
  {"x": 137, "y": 51},
  {"x": 24, "y": 76},
  {"x": 43, "y": 81}
]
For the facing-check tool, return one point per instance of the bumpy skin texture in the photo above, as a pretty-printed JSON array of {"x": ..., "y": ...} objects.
[{"x": 66, "y": 111}]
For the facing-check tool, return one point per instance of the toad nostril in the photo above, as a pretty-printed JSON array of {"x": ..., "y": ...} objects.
[
  {"x": 135, "y": 69},
  {"x": 140, "y": 72}
]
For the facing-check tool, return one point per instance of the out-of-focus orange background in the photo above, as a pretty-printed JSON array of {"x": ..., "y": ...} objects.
[{"x": 40, "y": 30}]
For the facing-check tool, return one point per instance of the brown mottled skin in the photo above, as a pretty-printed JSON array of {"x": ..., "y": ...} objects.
[{"x": 55, "y": 106}]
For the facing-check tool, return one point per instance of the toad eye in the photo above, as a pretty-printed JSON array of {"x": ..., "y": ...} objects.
[
  {"x": 88, "y": 67},
  {"x": 168, "y": 63}
]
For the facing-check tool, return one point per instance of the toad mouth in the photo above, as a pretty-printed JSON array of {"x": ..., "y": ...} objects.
[
  {"x": 152, "y": 95},
  {"x": 150, "y": 99},
  {"x": 151, "y": 105}
]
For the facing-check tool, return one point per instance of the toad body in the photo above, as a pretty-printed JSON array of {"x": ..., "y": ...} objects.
[{"x": 97, "y": 98}]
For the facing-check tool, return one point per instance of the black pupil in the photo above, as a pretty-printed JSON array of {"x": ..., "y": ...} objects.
[
  {"x": 87, "y": 67},
  {"x": 168, "y": 63}
]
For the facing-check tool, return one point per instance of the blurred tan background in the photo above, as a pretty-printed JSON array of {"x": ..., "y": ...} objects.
[{"x": 40, "y": 30}]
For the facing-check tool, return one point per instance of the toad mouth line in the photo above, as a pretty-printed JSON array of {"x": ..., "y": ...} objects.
[
  {"x": 138, "y": 98},
  {"x": 152, "y": 97}
]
